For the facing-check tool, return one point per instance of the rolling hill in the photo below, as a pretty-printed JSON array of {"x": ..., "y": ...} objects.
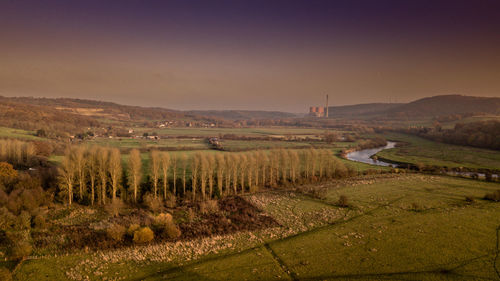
[{"x": 426, "y": 107}]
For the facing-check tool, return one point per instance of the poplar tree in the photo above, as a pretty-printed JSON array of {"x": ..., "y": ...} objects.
[
  {"x": 115, "y": 171},
  {"x": 165, "y": 165},
  {"x": 155, "y": 171},
  {"x": 134, "y": 171}
]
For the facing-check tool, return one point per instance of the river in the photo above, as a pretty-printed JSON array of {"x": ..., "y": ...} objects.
[{"x": 364, "y": 155}]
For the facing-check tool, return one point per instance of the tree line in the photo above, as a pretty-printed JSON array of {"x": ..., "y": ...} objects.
[
  {"x": 97, "y": 175},
  {"x": 17, "y": 152}
]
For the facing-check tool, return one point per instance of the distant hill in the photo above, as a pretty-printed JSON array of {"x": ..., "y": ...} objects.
[
  {"x": 446, "y": 105},
  {"x": 426, "y": 107},
  {"x": 243, "y": 114},
  {"x": 98, "y": 108},
  {"x": 361, "y": 109}
]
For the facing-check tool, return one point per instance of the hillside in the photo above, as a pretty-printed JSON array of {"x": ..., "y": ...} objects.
[
  {"x": 446, "y": 105},
  {"x": 63, "y": 116},
  {"x": 97, "y": 108},
  {"x": 242, "y": 114},
  {"x": 426, "y": 107},
  {"x": 361, "y": 109}
]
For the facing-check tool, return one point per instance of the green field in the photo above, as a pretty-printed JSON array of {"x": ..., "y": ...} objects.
[
  {"x": 269, "y": 131},
  {"x": 421, "y": 151},
  {"x": 18, "y": 134},
  {"x": 168, "y": 144},
  {"x": 398, "y": 227}
]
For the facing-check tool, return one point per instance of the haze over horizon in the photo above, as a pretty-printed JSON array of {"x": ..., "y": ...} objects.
[{"x": 249, "y": 55}]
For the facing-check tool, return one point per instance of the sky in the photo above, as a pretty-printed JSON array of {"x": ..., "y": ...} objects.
[{"x": 262, "y": 54}]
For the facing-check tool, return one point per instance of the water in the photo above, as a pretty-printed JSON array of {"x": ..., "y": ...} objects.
[{"x": 364, "y": 155}]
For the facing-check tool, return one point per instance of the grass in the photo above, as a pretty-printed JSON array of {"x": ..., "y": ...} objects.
[
  {"x": 380, "y": 236},
  {"x": 426, "y": 152},
  {"x": 18, "y": 133},
  {"x": 215, "y": 132}
]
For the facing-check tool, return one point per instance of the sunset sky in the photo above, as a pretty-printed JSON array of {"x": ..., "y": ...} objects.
[{"x": 268, "y": 55}]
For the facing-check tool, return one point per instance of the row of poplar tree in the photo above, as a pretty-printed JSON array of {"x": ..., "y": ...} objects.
[
  {"x": 16, "y": 152},
  {"x": 96, "y": 173}
]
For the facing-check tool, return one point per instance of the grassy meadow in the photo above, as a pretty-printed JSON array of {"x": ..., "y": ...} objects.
[
  {"x": 416, "y": 150},
  {"x": 397, "y": 227}
]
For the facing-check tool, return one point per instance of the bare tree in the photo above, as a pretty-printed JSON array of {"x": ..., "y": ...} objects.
[
  {"x": 67, "y": 173},
  {"x": 134, "y": 171},
  {"x": 210, "y": 171},
  {"x": 102, "y": 160},
  {"x": 227, "y": 167},
  {"x": 204, "y": 174},
  {"x": 80, "y": 163},
  {"x": 243, "y": 169},
  {"x": 155, "y": 170},
  {"x": 235, "y": 161},
  {"x": 294, "y": 165},
  {"x": 92, "y": 170},
  {"x": 221, "y": 165},
  {"x": 184, "y": 162},
  {"x": 195, "y": 171},
  {"x": 115, "y": 170},
  {"x": 165, "y": 165},
  {"x": 173, "y": 162}
]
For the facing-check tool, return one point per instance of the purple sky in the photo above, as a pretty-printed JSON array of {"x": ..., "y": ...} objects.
[{"x": 270, "y": 55}]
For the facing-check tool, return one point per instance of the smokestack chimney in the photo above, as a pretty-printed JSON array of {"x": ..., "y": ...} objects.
[{"x": 326, "y": 110}]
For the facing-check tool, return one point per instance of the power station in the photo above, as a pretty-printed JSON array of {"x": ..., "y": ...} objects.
[{"x": 318, "y": 111}]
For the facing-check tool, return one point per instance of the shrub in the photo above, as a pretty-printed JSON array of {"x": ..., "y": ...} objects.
[
  {"x": 190, "y": 215},
  {"x": 5, "y": 274},
  {"x": 488, "y": 176},
  {"x": 132, "y": 228},
  {"x": 469, "y": 199},
  {"x": 39, "y": 221},
  {"x": 172, "y": 231},
  {"x": 143, "y": 235},
  {"x": 416, "y": 207},
  {"x": 114, "y": 207},
  {"x": 116, "y": 232},
  {"x": 209, "y": 207},
  {"x": 163, "y": 219},
  {"x": 343, "y": 201},
  {"x": 171, "y": 201},
  {"x": 495, "y": 196},
  {"x": 20, "y": 250},
  {"x": 154, "y": 204}
]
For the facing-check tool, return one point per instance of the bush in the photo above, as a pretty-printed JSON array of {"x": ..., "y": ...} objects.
[
  {"x": 163, "y": 219},
  {"x": 154, "y": 204},
  {"x": 132, "y": 228},
  {"x": 171, "y": 201},
  {"x": 116, "y": 232},
  {"x": 190, "y": 215},
  {"x": 39, "y": 221},
  {"x": 143, "y": 235},
  {"x": 115, "y": 207},
  {"x": 5, "y": 274},
  {"x": 172, "y": 231},
  {"x": 209, "y": 207},
  {"x": 495, "y": 196},
  {"x": 343, "y": 201},
  {"x": 469, "y": 199},
  {"x": 20, "y": 250}
]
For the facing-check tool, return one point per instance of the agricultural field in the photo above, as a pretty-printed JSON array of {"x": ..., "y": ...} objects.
[
  {"x": 215, "y": 132},
  {"x": 416, "y": 150},
  {"x": 392, "y": 226},
  {"x": 18, "y": 134}
]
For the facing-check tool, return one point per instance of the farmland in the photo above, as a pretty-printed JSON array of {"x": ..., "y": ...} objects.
[
  {"x": 417, "y": 151},
  {"x": 368, "y": 240}
]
